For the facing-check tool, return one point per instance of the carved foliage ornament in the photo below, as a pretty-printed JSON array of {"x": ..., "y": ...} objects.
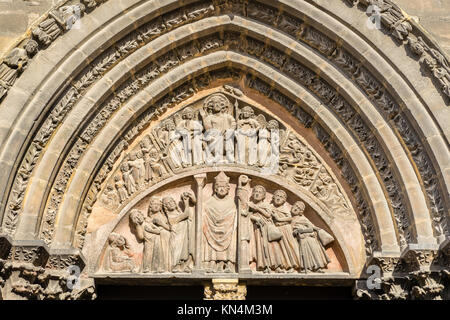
[{"x": 234, "y": 134}]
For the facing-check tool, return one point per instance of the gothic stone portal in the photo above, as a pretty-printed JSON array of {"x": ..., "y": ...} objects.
[
  {"x": 220, "y": 186},
  {"x": 276, "y": 230}
]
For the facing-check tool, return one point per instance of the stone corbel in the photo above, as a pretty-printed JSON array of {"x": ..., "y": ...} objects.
[{"x": 225, "y": 289}]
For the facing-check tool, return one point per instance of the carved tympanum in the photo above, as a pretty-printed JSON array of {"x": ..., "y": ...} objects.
[
  {"x": 222, "y": 129},
  {"x": 237, "y": 222},
  {"x": 230, "y": 223}
]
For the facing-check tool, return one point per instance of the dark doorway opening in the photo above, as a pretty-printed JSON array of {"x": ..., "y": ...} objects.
[
  {"x": 112, "y": 292},
  {"x": 116, "y": 292},
  {"x": 298, "y": 293}
]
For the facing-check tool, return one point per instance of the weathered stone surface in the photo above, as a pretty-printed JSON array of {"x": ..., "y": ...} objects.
[{"x": 223, "y": 142}]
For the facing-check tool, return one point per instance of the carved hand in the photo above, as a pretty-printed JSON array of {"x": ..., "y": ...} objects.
[
  {"x": 152, "y": 230},
  {"x": 189, "y": 196}
]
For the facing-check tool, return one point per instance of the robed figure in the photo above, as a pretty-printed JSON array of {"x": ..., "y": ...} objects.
[
  {"x": 154, "y": 231},
  {"x": 180, "y": 236},
  {"x": 311, "y": 240},
  {"x": 117, "y": 256},
  {"x": 220, "y": 126},
  {"x": 219, "y": 228},
  {"x": 282, "y": 218},
  {"x": 267, "y": 247}
]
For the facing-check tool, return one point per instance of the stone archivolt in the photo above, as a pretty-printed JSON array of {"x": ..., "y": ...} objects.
[
  {"x": 382, "y": 136},
  {"x": 298, "y": 173}
]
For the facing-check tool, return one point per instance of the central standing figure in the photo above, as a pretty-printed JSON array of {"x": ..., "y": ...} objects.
[
  {"x": 219, "y": 228},
  {"x": 219, "y": 125}
]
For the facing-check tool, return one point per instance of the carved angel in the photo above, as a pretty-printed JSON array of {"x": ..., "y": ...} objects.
[
  {"x": 269, "y": 135},
  {"x": 127, "y": 177},
  {"x": 120, "y": 187},
  {"x": 192, "y": 131},
  {"x": 171, "y": 138}
]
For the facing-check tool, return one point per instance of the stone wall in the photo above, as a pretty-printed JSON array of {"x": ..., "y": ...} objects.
[{"x": 17, "y": 15}]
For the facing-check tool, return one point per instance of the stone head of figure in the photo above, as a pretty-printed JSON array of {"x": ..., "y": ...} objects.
[
  {"x": 16, "y": 59},
  {"x": 139, "y": 154},
  {"x": 259, "y": 193},
  {"x": 153, "y": 153},
  {"x": 125, "y": 167},
  {"x": 188, "y": 113},
  {"x": 298, "y": 208},
  {"x": 169, "y": 125},
  {"x": 273, "y": 125},
  {"x": 247, "y": 112},
  {"x": 155, "y": 205},
  {"x": 169, "y": 203},
  {"x": 133, "y": 155},
  {"x": 327, "y": 180},
  {"x": 31, "y": 47},
  {"x": 216, "y": 103},
  {"x": 221, "y": 185},
  {"x": 279, "y": 198},
  {"x": 116, "y": 240}
]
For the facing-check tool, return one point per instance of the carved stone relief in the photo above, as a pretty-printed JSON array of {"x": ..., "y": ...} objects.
[
  {"x": 268, "y": 231},
  {"x": 237, "y": 222},
  {"x": 216, "y": 131},
  {"x": 304, "y": 32},
  {"x": 172, "y": 147}
]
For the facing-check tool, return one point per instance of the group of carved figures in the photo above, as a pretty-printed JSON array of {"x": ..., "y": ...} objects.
[
  {"x": 211, "y": 135},
  {"x": 167, "y": 234},
  {"x": 284, "y": 240},
  {"x": 182, "y": 141},
  {"x": 274, "y": 237}
]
